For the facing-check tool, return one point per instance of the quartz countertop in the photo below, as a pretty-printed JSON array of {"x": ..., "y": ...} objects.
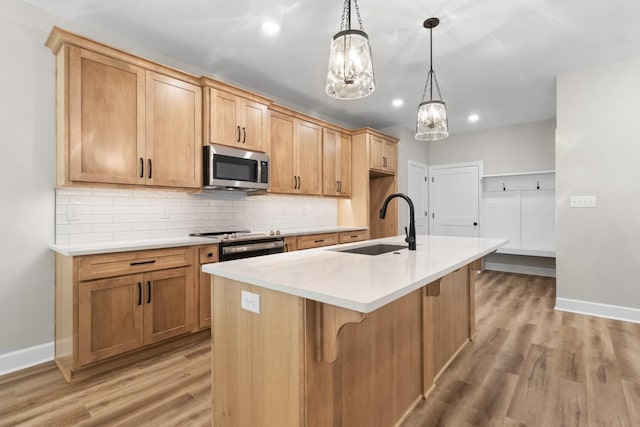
[
  {"x": 77, "y": 249},
  {"x": 358, "y": 282}
]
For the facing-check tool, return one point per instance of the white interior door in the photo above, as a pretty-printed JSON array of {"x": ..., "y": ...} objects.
[
  {"x": 454, "y": 199},
  {"x": 418, "y": 191}
]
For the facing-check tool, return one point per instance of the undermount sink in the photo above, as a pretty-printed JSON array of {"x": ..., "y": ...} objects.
[{"x": 376, "y": 249}]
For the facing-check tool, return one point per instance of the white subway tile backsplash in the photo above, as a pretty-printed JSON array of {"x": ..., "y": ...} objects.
[{"x": 114, "y": 214}]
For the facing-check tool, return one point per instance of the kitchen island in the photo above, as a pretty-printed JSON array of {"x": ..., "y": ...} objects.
[{"x": 329, "y": 338}]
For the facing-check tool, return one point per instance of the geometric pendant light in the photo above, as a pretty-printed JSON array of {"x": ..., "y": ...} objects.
[
  {"x": 432, "y": 122},
  {"x": 350, "y": 74}
]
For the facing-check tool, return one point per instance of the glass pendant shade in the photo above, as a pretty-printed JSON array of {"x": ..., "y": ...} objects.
[
  {"x": 432, "y": 122},
  {"x": 350, "y": 74}
]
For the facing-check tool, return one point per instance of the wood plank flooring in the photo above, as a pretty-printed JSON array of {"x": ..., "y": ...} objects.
[{"x": 528, "y": 366}]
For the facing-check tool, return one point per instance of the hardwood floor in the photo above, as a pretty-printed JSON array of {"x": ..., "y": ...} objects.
[{"x": 528, "y": 366}]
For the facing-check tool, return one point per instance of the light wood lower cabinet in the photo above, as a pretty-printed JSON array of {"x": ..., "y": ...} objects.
[
  {"x": 308, "y": 241},
  {"x": 110, "y": 318},
  {"x": 107, "y": 305},
  {"x": 208, "y": 255},
  {"x": 321, "y": 365}
]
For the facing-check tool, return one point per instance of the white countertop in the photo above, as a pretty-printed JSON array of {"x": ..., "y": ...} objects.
[
  {"x": 77, "y": 249},
  {"x": 129, "y": 245},
  {"x": 357, "y": 282}
]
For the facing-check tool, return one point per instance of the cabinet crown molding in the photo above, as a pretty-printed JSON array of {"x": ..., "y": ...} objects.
[{"x": 367, "y": 130}]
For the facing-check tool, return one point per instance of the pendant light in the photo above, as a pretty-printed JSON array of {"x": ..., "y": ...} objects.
[
  {"x": 350, "y": 73},
  {"x": 432, "y": 122}
]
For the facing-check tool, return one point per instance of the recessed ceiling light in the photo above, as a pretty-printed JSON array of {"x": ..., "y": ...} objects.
[
  {"x": 397, "y": 103},
  {"x": 270, "y": 27},
  {"x": 474, "y": 118}
]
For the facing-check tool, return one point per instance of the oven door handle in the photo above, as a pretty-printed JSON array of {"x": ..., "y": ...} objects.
[{"x": 251, "y": 247}]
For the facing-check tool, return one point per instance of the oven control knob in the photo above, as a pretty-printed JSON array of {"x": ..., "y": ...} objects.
[
  {"x": 271, "y": 233},
  {"x": 225, "y": 236},
  {"x": 232, "y": 236},
  {"x": 277, "y": 232}
]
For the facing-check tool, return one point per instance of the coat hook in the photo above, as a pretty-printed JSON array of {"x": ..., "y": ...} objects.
[{"x": 537, "y": 185}]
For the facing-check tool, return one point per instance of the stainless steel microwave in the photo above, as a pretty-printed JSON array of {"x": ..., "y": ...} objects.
[{"x": 233, "y": 169}]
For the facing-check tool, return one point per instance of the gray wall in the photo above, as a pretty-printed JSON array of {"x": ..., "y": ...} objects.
[
  {"x": 27, "y": 173},
  {"x": 598, "y": 153},
  {"x": 521, "y": 148},
  {"x": 409, "y": 148}
]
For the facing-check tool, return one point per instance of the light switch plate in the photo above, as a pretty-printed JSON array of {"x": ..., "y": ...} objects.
[
  {"x": 582, "y": 201},
  {"x": 250, "y": 302}
]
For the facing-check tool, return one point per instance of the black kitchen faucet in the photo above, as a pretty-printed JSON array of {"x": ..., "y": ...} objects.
[{"x": 411, "y": 234}]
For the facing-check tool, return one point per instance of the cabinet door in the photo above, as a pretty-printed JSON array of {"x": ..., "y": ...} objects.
[
  {"x": 173, "y": 132},
  {"x": 344, "y": 165},
  {"x": 110, "y": 316},
  {"x": 204, "y": 298},
  {"x": 224, "y": 122},
  {"x": 106, "y": 119},
  {"x": 253, "y": 123},
  {"x": 376, "y": 160},
  {"x": 282, "y": 179},
  {"x": 308, "y": 146},
  {"x": 390, "y": 156},
  {"x": 168, "y": 303},
  {"x": 330, "y": 162}
]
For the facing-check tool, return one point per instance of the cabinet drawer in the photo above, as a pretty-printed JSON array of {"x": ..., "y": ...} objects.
[
  {"x": 208, "y": 254},
  {"x": 119, "y": 264},
  {"x": 317, "y": 240},
  {"x": 353, "y": 236}
]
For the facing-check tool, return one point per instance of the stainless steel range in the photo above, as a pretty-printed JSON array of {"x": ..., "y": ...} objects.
[{"x": 237, "y": 244}]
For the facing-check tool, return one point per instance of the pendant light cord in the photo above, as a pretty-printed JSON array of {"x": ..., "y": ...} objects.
[{"x": 431, "y": 76}]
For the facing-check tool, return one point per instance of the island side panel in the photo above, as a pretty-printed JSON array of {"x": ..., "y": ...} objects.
[
  {"x": 450, "y": 318},
  {"x": 376, "y": 378},
  {"x": 257, "y": 359}
]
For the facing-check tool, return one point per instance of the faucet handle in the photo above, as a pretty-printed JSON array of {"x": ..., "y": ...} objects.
[{"x": 406, "y": 232}]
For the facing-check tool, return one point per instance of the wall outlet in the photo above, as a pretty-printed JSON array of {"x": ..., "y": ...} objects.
[
  {"x": 582, "y": 201},
  {"x": 72, "y": 213},
  {"x": 250, "y": 302},
  {"x": 165, "y": 214}
]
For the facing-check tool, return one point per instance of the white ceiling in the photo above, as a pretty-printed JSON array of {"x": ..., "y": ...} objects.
[{"x": 496, "y": 58}]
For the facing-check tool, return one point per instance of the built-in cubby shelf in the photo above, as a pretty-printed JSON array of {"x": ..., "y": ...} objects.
[{"x": 520, "y": 207}]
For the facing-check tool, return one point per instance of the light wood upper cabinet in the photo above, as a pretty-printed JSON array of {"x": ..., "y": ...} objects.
[
  {"x": 283, "y": 169},
  {"x": 383, "y": 155},
  {"x": 173, "y": 132},
  {"x": 123, "y": 120},
  {"x": 296, "y": 155},
  {"x": 308, "y": 153},
  {"x": 336, "y": 160},
  {"x": 105, "y": 132},
  {"x": 235, "y": 121}
]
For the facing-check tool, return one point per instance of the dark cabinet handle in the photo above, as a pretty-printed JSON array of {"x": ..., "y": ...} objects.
[
  {"x": 318, "y": 241},
  {"x": 503, "y": 187},
  {"x": 210, "y": 254},
  {"x": 141, "y": 167},
  {"x": 142, "y": 262},
  {"x": 149, "y": 168},
  {"x": 238, "y": 140},
  {"x": 340, "y": 186},
  {"x": 299, "y": 182},
  {"x": 475, "y": 224},
  {"x": 148, "y": 292},
  {"x": 337, "y": 186},
  {"x": 139, "y": 293},
  {"x": 244, "y": 135},
  {"x": 353, "y": 236}
]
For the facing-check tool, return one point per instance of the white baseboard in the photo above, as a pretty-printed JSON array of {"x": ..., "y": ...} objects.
[
  {"x": 615, "y": 312},
  {"x": 26, "y": 358},
  {"x": 521, "y": 269}
]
